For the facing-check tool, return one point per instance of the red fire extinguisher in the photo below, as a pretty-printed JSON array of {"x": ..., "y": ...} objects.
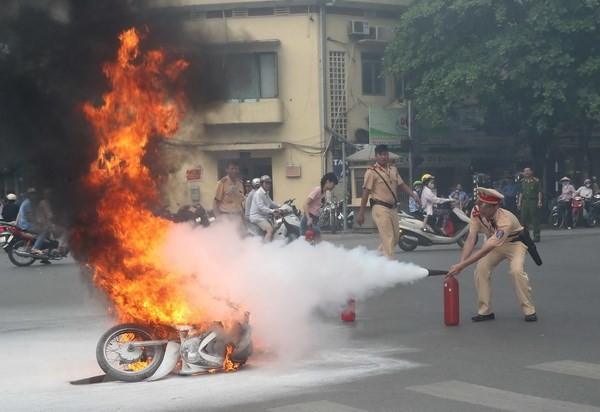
[
  {"x": 348, "y": 313},
  {"x": 451, "y": 301}
]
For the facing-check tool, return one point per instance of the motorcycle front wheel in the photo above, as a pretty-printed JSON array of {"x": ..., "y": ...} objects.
[
  {"x": 592, "y": 220},
  {"x": 18, "y": 254},
  {"x": 406, "y": 244},
  {"x": 121, "y": 360}
]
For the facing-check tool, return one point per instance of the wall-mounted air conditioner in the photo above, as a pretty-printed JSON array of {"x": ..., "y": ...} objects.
[{"x": 358, "y": 27}]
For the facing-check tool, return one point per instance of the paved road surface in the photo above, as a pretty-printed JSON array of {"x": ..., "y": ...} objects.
[{"x": 397, "y": 356}]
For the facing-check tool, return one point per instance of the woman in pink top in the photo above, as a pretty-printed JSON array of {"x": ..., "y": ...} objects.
[{"x": 313, "y": 203}]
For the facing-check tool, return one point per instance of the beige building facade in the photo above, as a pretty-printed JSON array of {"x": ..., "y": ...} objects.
[{"x": 301, "y": 77}]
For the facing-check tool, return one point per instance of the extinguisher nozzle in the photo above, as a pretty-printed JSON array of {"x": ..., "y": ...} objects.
[{"x": 437, "y": 272}]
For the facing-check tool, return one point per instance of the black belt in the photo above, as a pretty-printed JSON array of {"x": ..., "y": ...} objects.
[{"x": 382, "y": 203}]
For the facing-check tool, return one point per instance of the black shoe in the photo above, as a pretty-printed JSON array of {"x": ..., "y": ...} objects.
[
  {"x": 531, "y": 318},
  {"x": 481, "y": 318},
  {"x": 45, "y": 261}
]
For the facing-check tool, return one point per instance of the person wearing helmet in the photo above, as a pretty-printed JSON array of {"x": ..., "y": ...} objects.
[
  {"x": 255, "y": 185},
  {"x": 312, "y": 204},
  {"x": 585, "y": 191},
  {"x": 10, "y": 209},
  {"x": 381, "y": 184},
  {"x": 567, "y": 193},
  {"x": 503, "y": 242},
  {"x": 428, "y": 199},
  {"x": 413, "y": 207},
  {"x": 263, "y": 207},
  {"x": 530, "y": 201},
  {"x": 229, "y": 194}
]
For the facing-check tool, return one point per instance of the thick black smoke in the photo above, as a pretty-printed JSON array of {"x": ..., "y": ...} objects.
[{"x": 51, "y": 56}]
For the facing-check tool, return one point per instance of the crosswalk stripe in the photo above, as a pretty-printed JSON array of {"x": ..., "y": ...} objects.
[
  {"x": 499, "y": 399},
  {"x": 317, "y": 406},
  {"x": 569, "y": 367}
]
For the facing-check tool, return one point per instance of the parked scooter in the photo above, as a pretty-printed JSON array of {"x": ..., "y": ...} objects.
[
  {"x": 412, "y": 236},
  {"x": 286, "y": 224}
]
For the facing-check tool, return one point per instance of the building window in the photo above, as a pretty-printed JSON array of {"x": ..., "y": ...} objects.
[
  {"x": 251, "y": 76},
  {"x": 373, "y": 83},
  {"x": 337, "y": 93}
]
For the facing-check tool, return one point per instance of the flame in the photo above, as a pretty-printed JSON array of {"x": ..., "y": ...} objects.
[
  {"x": 126, "y": 236},
  {"x": 228, "y": 364}
]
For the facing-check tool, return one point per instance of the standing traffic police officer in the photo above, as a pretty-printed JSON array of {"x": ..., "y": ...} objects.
[
  {"x": 382, "y": 181},
  {"x": 530, "y": 202},
  {"x": 229, "y": 194},
  {"x": 502, "y": 230}
]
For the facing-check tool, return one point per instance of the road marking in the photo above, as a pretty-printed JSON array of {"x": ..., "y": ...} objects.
[
  {"x": 569, "y": 367},
  {"x": 317, "y": 406},
  {"x": 499, "y": 399}
]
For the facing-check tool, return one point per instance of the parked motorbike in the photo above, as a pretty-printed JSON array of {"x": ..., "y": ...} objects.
[
  {"x": 194, "y": 213},
  {"x": 331, "y": 217},
  {"x": 17, "y": 243},
  {"x": 133, "y": 352},
  {"x": 578, "y": 210},
  {"x": 455, "y": 230},
  {"x": 560, "y": 213},
  {"x": 593, "y": 216},
  {"x": 286, "y": 225}
]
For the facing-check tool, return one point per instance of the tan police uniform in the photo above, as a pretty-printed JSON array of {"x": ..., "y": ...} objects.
[
  {"x": 384, "y": 210},
  {"x": 230, "y": 196},
  {"x": 500, "y": 230}
]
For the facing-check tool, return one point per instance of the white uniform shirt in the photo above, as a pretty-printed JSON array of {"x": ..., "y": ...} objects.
[{"x": 249, "y": 198}]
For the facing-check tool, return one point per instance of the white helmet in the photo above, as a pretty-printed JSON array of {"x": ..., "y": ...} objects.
[
  {"x": 255, "y": 182},
  {"x": 11, "y": 196},
  {"x": 265, "y": 178}
]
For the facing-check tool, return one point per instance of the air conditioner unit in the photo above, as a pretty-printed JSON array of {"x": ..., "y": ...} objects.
[
  {"x": 383, "y": 33},
  {"x": 359, "y": 27}
]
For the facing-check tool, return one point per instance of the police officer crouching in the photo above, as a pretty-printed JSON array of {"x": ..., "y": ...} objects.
[{"x": 505, "y": 240}]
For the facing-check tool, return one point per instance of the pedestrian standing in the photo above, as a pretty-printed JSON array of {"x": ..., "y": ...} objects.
[
  {"x": 312, "y": 204},
  {"x": 567, "y": 192},
  {"x": 229, "y": 194},
  {"x": 382, "y": 181},
  {"x": 502, "y": 230},
  {"x": 530, "y": 202}
]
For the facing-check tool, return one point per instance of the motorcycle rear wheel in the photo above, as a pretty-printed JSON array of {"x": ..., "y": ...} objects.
[
  {"x": 120, "y": 360},
  {"x": 592, "y": 220},
  {"x": 406, "y": 244},
  {"x": 556, "y": 221},
  {"x": 20, "y": 261}
]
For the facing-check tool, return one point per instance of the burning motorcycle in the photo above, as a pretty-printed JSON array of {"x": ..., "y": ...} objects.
[
  {"x": 133, "y": 352},
  {"x": 286, "y": 224},
  {"x": 17, "y": 243},
  {"x": 454, "y": 228}
]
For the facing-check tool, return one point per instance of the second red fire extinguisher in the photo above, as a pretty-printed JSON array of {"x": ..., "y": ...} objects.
[{"x": 451, "y": 302}]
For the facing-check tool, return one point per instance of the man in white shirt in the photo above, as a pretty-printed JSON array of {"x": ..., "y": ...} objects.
[{"x": 262, "y": 207}]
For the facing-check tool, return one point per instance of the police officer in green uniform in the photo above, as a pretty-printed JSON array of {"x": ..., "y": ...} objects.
[{"x": 530, "y": 202}]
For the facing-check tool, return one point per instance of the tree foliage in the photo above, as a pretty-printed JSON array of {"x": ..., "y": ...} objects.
[{"x": 539, "y": 60}]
